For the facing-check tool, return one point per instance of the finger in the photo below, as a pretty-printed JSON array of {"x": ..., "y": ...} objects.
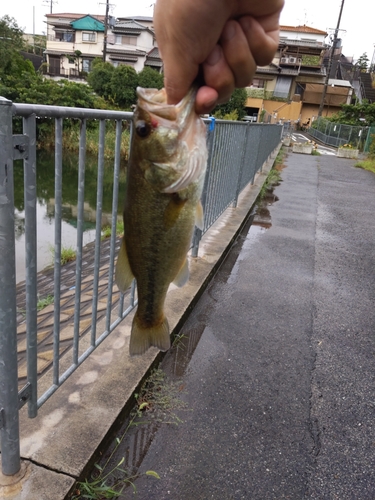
[
  {"x": 262, "y": 39},
  {"x": 237, "y": 54},
  {"x": 206, "y": 99},
  {"x": 178, "y": 79},
  {"x": 218, "y": 75}
]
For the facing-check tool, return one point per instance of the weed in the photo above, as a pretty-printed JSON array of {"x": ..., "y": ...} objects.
[
  {"x": 280, "y": 156},
  {"x": 46, "y": 301},
  {"x": 368, "y": 164},
  {"x": 68, "y": 254},
  {"x": 107, "y": 230},
  {"x": 160, "y": 398},
  {"x": 315, "y": 152},
  {"x": 273, "y": 179},
  {"x": 178, "y": 341},
  {"x": 156, "y": 402}
]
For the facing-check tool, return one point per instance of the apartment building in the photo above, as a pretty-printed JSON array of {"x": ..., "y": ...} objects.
[{"x": 291, "y": 87}]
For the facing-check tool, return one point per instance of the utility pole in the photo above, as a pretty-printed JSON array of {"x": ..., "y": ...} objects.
[
  {"x": 50, "y": 2},
  {"x": 330, "y": 60},
  {"x": 105, "y": 30}
]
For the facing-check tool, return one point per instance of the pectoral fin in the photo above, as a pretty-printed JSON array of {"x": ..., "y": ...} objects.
[
  {"x": 183, "y": 275},
  {"x": 123, "y": 274},
  {"x": 173, "y": 210},
  {"x": 199, "y": 217}
]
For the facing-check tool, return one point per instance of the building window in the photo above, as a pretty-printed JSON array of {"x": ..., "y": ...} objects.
[
  {"x": 125, "y": 40},
  {"x": 282, "y": 87},
  {"x": 129, "y": 40},
  {"x": 86, "y": 65},
  {"x": 65, "y": 36},
  {"x": 123, "y": 63},
  {"x": 258, "y": 83},
  {"x": 89, "y": 37}
]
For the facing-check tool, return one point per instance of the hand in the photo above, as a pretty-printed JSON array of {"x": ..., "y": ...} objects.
[{"x": 226, "y": 39}]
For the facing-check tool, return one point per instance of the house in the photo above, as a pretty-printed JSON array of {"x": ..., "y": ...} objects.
[
  {"x": 290, "y": 88},
  {"x": 75, "y": 40},
  {"x": 132, "y": 43}
]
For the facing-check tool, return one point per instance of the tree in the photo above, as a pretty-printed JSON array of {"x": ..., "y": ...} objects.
[
  {"x": 100, "y": 78},
  {"x": 149, "y": 78},
  {"x": 123, "y": 86},
  {"x": 236, "y": 103},
  {"x": 363, "y": 62},
  {"x": 11, "y": 42},
  {"x": 355, "y": 114}
]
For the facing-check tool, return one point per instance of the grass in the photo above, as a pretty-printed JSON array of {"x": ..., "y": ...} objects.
[
  {"x": 157, "y": 401},
  {"x": 315, "y": 152},
  {"x": 273, "y": 179},
  {"x": 68, "y": 254},
  {"x": 71, "y": 140},
  {"x": 280, "y": 156},
  {"x": 107, "y": 230},
  {"x": 368, "y": 164},
  {"x": 46, "y": 301}
]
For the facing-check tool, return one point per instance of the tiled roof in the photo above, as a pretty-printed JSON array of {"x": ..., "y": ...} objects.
[
  {"x": 126, "y": 52},
  {"x": 130, "y": 25},
  {"x": 303, "y": 29},
  {"x": 68, "y": 15},
  {"x": 154, "y": 52},
  {"x": 137, "y": 18}
]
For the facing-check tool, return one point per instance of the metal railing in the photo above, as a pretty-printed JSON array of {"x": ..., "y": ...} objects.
[
  {"x": 338, "y": 134},
  {"x": 236, "y": 152}
]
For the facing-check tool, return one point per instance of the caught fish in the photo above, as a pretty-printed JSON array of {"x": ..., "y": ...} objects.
[{"x": 162, "y": 204}]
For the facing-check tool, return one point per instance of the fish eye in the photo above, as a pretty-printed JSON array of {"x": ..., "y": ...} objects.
[{"x": 142, "y": 128}]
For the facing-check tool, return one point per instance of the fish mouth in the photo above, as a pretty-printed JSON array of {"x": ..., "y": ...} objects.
[{"x": 155, "y": 102}]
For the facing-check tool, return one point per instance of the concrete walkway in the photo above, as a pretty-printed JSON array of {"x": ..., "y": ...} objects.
[
  {"x": 281, "y": 380},
  {"x": 59, "y": 446}
]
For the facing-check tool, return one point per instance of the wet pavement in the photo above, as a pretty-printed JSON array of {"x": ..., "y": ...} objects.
[{"x": 275, "y": 365}]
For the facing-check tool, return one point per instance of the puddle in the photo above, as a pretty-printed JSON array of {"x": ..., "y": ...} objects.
[{"x": 134, "y": 438}]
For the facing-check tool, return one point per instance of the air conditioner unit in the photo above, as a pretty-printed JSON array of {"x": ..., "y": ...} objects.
[
  {"x": 283, "y": 60},
  {"x": 292, "y": 59}
]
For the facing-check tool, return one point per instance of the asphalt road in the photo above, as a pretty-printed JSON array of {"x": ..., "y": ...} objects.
[{"x": 279, "y": 371}]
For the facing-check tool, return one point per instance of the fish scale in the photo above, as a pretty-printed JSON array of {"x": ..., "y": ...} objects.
[{"x": 168, "y": 149}]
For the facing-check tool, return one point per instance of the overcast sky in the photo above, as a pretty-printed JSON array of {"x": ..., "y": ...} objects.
[{"x": 357, "y": 20}]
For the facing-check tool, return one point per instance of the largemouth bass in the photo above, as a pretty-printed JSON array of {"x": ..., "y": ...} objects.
[{"x": 162, "y": 204}]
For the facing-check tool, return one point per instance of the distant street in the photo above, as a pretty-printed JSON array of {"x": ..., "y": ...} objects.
[{"x": 323, "y": 150}]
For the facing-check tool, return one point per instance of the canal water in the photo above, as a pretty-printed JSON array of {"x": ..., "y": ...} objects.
[{"x": 45, "y": 192}]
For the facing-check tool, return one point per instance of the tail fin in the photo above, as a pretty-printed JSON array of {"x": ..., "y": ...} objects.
[{"x": 141, "y": 339}]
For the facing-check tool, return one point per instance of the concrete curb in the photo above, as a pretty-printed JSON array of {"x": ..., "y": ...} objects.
[{"x": 59, "y": 446}]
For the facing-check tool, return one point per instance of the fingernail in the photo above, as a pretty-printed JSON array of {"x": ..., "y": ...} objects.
[{"x": 214, "y": 57}]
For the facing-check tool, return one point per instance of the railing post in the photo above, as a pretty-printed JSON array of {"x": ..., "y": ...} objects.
[
  {"x": 243, "y": 155},
  {"x": 9, "y": 418},
  {"x": 210, "y": 143}
]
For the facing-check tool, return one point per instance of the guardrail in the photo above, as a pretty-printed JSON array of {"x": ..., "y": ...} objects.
[
  {"x": 338, "y": 134},
  {"x": 236, "y": 152}
]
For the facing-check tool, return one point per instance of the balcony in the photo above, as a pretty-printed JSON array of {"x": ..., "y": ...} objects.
[{"x": 65, "y": 73}]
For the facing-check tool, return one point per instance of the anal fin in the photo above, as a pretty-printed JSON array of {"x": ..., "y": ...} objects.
[
  {"x": 123, "y": 273},
  {"x": 183, "y": 275},
  {"x": 199, "y": 218}
]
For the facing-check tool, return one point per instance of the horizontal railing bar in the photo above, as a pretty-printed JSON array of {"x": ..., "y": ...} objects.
[{"x": 45, "y": 111}]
